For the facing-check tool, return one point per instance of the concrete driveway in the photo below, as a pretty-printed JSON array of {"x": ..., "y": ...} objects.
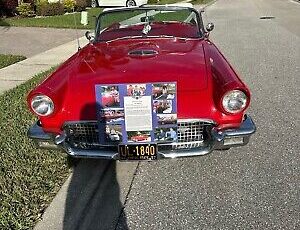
[
  {"x": 252, "y": 187},
  {"x": 29, "y": 41}
]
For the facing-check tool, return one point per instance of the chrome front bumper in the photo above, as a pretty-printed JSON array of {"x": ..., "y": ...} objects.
[{"x": 219, "y": 140}]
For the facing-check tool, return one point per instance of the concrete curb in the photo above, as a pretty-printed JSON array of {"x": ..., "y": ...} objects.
[
  {"x": 203, "y": 6},
  {"x": 210, "y": 3}
]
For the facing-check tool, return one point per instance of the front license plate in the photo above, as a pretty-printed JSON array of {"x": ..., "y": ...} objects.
[{"x": 138, "y": 152}]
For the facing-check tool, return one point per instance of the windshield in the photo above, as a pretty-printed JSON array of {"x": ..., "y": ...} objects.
[{"x": 142, "y": 22}]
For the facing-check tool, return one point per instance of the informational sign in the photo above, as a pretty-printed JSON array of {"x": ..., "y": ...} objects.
[
  {"x": 129, "y": 113},
  {"x": 138, "y": 112}
]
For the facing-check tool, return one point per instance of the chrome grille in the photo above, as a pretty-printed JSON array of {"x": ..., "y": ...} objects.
[
  {"x": 82, "y": 134},
  {"x": 191, "y": 133},
  {"x": 191, "y": 130}
]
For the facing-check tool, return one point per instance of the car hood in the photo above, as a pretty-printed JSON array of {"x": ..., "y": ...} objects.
[
  {"x": 140, "y": 61},
  {"x": 173, "y": 60}
]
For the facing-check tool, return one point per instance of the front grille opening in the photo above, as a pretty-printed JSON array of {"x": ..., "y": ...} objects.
[
  {"x": 82, "y": 135},
  {"x": 85, "y": 135}
]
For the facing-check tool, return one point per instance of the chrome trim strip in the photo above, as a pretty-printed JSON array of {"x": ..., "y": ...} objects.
[
  {"x": 180, "y": 120},
  {"x": 180, "y": 143},
  {"x": 247, "y": 128},
  {"x": 196, "y": 120},
  {"x": 79, "y": 122}
]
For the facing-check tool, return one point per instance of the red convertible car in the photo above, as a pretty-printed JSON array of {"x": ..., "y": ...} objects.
[{"x": 144, "y": 45}]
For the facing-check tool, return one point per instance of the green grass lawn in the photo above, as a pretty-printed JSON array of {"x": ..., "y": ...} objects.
[
  {"x": 8, "y": 59},
  {"x": 197, "y": 2},
  {"x": 59, "y": 21},
  {"x": 29, "y": 177}
]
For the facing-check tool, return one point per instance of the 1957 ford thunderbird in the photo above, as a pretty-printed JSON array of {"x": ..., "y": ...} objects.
[{"x": 143, "y": 65}]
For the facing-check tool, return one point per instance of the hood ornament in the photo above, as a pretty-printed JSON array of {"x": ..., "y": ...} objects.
[{"x": 146, "y": 29}]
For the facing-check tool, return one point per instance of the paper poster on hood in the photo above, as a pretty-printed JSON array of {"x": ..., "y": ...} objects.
[{"x": 129, "y": 113}]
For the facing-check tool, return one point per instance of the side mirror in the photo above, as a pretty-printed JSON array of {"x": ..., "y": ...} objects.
[
  {"x": 147, "y": 19},
  {"x": 201, "y": 11},
  {"x": 89, "y": 36},
  {"x": 209, "y": 27}
]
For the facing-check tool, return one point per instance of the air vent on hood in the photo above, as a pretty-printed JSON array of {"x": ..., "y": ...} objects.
[{"x": 142, "y": 53}]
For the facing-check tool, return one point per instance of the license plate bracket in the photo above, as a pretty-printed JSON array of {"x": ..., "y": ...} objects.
[{"x": 141, "y": 151}]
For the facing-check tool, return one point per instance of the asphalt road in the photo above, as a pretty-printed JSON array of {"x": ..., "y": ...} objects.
[{"x": 251, "y": 187}]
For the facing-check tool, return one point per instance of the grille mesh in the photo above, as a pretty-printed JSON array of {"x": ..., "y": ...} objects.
[
  {"x": 82, "y": 134},
  {"x": 86, "y": 134},
  {"x": 191, "y": 131}
]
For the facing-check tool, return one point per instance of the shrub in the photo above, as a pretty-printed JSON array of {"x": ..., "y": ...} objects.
[
  {"x": 88, "y": 3},
  {"x": 69, "y": 5},
  {"x": 25, "y": 10},
  {"x": 50, "y": 9},
  {"x": 10, "y": 4},
  {"x": 32, "y": 2},
  {"x": 41, "y": 8},
  {"x": 81, "y": 5},
  {"x": 7, "y": 7}
]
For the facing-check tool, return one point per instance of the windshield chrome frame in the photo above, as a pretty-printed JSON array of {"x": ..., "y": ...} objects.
[{"x": 148, "y": 8}]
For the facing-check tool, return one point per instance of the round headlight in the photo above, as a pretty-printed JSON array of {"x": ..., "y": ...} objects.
[
  {"x": 42, "y": 105},
  {"x": 234, "y": 101}
]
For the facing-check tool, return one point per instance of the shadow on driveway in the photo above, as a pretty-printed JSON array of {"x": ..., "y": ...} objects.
[{"x": 93, "y": 198}]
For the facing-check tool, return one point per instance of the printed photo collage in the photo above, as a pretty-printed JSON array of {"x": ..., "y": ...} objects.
[
  {"x": 111, "y": 114},
  {"x": 165, "y": 110}
]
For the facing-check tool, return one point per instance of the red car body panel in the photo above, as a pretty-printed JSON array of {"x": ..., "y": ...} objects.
[{"x": 202, "y": 74}]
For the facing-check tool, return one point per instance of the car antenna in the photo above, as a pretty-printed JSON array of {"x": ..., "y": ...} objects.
[{"x": 77, "y": 36}]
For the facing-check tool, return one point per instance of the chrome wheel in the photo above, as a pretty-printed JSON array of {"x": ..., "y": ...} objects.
[{"x": 130, "y": 3}]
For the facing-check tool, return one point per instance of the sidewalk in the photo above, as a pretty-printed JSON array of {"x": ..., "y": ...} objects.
[{"x": 16, "y": 74}]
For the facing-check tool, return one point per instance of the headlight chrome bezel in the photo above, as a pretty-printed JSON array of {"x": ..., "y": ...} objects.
[
  {"x": 234, "y": 101},
  {"x": 42, "y": 102}
]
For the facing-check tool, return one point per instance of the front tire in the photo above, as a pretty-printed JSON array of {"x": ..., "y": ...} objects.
[{"x": 130, "y": 3}]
